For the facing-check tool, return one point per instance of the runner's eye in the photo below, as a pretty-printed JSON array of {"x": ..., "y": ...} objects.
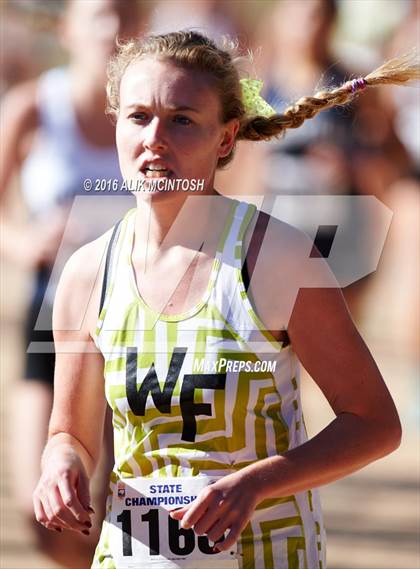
[
  {"x": 138, "y": 116},
  {"x": 182, "y": 119}
]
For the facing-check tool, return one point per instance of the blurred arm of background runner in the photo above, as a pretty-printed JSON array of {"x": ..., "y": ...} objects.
[
  {"x": 62, "y": 498},
  {"x": 35, "y": 243}
]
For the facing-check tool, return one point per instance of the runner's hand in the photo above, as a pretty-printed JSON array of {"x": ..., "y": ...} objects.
[
  {"x": 61, "y": 498},
  {"x": 226, "y": 504}
]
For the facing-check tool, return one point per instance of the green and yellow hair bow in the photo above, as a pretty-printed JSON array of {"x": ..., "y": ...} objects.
[{"x": 253, "y": 103}]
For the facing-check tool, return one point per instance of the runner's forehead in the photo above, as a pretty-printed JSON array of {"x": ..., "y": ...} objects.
[{"x": 149, "y": 81}]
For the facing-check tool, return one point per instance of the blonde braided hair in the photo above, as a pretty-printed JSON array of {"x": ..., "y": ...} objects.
[
  {"x": 193, "y": 50},
  {"x": 396, "y": 71}
]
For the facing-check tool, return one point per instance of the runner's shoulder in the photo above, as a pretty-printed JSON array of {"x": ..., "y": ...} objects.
[
  {"x": 288, "y": 256},
  {"x": 85, "y": 261},
  {"x": 80, "y": 284},
  {"x": 282, "y": 244}
]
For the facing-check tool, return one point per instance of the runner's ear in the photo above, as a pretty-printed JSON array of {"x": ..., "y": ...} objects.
[{"x": 230, "y": 130}]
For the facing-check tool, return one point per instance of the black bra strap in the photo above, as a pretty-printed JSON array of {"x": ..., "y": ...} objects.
[
  {"x": 109, "y": 253},
  {"x": 254, "y": 248},
  {"x": 245, "y": 275},
  {"x": 251, "y": 260}
]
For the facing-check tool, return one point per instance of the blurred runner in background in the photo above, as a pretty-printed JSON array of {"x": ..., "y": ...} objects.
[
  {"x": 56, "y": 134},
  {"x": 212, "y": 17},
  {"x": 398, "y": 277},
  {"x": 337, "y": 152}
]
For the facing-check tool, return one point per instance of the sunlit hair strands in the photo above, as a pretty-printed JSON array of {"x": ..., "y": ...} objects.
[{"x": 192, "y": 50}]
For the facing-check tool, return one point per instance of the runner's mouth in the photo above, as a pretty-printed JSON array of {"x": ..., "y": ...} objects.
[{"x": 153, "y": 172}]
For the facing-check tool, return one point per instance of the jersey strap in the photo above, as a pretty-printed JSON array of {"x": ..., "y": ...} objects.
[
  {"x": 251, "y": 260},
  {"x": 108, "y": 262},
  {"x": 254, "y": 248}
]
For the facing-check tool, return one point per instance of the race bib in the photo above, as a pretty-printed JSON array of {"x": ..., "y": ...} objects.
[{"x": 143, "y": 534}]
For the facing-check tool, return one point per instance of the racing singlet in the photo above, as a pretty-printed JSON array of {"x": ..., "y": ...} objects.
[{"x": 196, "y": 396}]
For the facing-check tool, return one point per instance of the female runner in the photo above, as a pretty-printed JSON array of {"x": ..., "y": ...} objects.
[{"x": 200, "y": 359}]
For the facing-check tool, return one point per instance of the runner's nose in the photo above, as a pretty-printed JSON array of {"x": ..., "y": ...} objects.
[{"x": 154, "y": 135}]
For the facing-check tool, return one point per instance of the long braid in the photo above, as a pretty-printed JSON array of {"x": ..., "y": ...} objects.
[
  {"x": 192, "y": 50},
  {"x": 396, "y": 71}
]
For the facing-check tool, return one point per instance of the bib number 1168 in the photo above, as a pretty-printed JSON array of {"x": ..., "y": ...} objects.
[
  {"x": 181, "y": 541},
  {"x": 143, "y": 534}
]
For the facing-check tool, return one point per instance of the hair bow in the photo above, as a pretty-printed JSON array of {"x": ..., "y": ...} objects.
[{"x": 253, "y": 103}]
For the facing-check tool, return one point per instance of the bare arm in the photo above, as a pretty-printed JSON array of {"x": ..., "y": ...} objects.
[
  {"x": 30, "y": 244},
  {"x": 62, "y": 498},
  {"x": 19, "y": 118},
  {"x": 366, "y": 427},
  {"x": 327, "y": 343}
]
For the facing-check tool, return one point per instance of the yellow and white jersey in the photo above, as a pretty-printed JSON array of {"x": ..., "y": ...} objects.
[{"x": 206, "y": 392}]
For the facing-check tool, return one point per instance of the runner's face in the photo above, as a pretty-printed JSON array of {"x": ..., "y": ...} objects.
[
  {"x": 90, "y": 27},
  {"x": 169, "y": 120}
]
